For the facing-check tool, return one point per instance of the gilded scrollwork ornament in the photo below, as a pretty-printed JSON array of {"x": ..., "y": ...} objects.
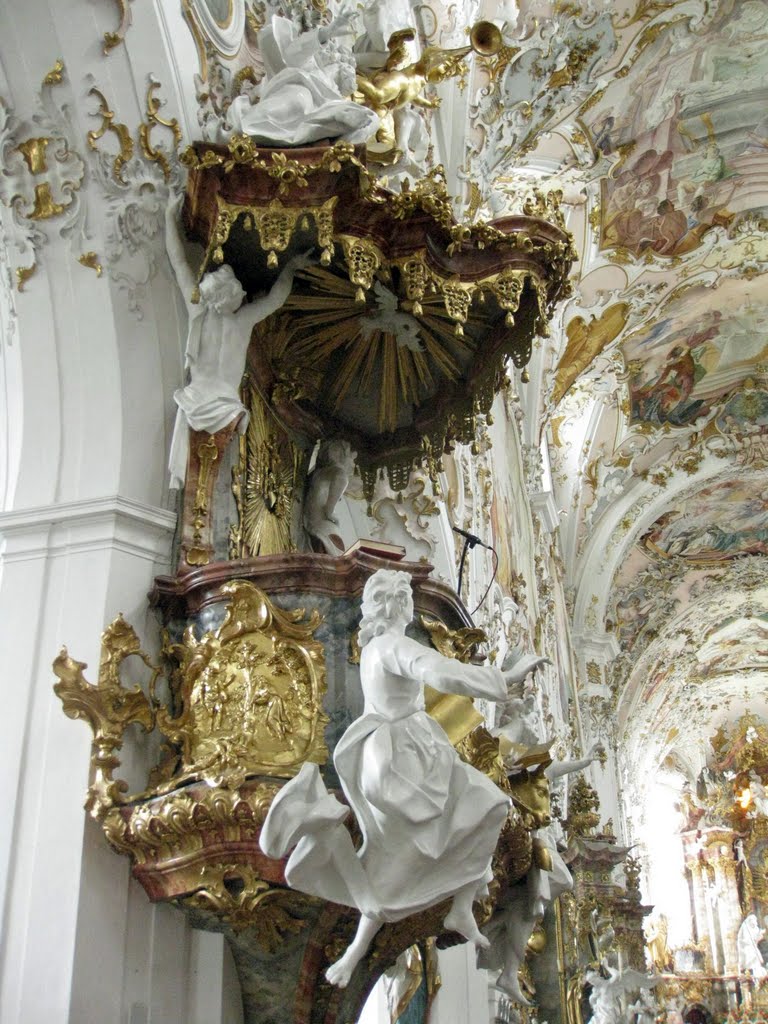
[
  {"x": 108, "y": 708},
  {"x": 263, "y": 483},
  {"x": 236, "y": 895},
  {"x": 152, "y": 152},
  {"x": 42, "y": 174}
]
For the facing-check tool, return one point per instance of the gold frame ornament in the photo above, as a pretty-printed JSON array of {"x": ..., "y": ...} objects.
[{"x": 250, "y": 692}]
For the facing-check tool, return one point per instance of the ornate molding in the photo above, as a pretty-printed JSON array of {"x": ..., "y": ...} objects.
[
  {"x": 107, "y": 707},
  {"x": 42, "y": 175},
  {"x": 137, "y": 185}
]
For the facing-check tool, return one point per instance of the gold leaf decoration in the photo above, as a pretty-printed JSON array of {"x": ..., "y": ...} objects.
[
  {"x": 250, "y": 692},
  {"x": 107, "y": 707}
]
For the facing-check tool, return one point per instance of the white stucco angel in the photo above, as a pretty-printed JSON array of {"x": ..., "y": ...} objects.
[
  {"x": 644, "y": 1009},
  {"x": 430, "y": 822},
  {"x": 220, "y": 326},
  {"x": 759, "y": 796},
  {"x": 750, "y": 959},
  {"x": 325, "y": 486},
  {"x": 608, "y": 987},
  {"x": 304, "y": 97}
]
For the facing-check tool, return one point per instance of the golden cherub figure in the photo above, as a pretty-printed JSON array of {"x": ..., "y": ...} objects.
[{"x": 393, "y": 86}]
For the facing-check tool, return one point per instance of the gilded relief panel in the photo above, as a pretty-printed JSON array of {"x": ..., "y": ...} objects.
[{"x": 251, "y": 692}]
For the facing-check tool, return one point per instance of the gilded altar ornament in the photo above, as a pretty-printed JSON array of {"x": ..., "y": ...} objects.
[
  {"x": 583, "y": 803},
  {"x": 396, "y": 84},
  {"x": 113, "y": 39},
  {"x": 207, "y": 454},
  {"x": 173, "y": 825},
  {"x": 34, "y": 153},
  {"x": 250, "y": 692},
  {"x": 107, "y": 707},
  {"x": 460, "y": 643},
  {"x": 56, "y": 75},
  {"x": 23, "y": 274},
  {"x": 586, "y": 340},
  {"x": 91, "y": 260},
  {"x": 531, "y": 795},
  {"x": 263, "y": 483},
  {"x": 455, "y": 713}
]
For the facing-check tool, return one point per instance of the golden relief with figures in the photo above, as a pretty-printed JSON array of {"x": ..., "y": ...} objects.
[{"x": 251, "y": 692}]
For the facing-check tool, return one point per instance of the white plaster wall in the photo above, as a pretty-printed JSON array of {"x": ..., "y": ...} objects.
[{"x": 84, "y": 528}]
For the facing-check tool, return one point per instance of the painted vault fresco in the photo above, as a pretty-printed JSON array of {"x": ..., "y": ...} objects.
[
  {"x": 702, "y": 347},
  {"x": 718, "y": 523},
  {"x": 692, "y": 134}
]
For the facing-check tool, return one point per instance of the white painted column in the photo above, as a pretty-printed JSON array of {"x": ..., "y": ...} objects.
[
  {"x": 463, "y": 995},
  {"x": 67, "y": 571}
]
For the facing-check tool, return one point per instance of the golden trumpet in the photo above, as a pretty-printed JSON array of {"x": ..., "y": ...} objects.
[{"x": 485, "y": 38}]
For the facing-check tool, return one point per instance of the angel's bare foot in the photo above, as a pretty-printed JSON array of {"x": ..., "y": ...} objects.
[
  {"x": 509, "y": 983},
  {"x": 339, "y": 973},
  {"x": 461, "y": 919}
]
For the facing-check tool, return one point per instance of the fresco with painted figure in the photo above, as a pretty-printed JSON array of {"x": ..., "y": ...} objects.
[
  {"x": 692, "y": 138},
  {"x": 696, "y": 354},
  {"x": 718, "y": 523}
]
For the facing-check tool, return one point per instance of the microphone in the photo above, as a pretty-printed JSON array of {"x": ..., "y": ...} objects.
[{"x": 470, "y": 538}]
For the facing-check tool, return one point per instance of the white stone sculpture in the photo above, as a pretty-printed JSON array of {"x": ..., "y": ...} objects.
[
  {"x": 303, "y": 98},
  {"x": 759, "y": 795},
  {"x": 643, "y": 1010},
  {"x": 430, "y": 822},
  {"x": 523, "y": 729},
  {"x": 326, "y": 484},
  {"x": 388, "y": 319},
  {"x": 220, "y": 328},
  {"x": 608, "y": 986},
  {"x": 748, "y": 951},
  {"x": 512, "y": 925}
]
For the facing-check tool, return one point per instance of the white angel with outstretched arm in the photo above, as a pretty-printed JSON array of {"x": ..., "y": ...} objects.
[{"x": 430, "y": 822}]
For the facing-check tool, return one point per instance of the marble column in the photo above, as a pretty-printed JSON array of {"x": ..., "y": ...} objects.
[
  {"x": 729, "y": 910},
  {"x": 703, "y": 933}
]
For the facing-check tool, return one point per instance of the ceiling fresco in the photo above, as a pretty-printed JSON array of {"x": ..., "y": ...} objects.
[
  {"x": 654, "y": 390},
  {"x": 718, "y": 523}
]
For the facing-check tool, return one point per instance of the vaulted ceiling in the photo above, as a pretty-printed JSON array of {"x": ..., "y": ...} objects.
[{"x": 653, "y": 390}]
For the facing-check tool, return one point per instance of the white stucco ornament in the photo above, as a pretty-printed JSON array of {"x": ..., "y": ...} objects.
[
  {"x": 304, "y": 96},
  {"x": 609, "y": 984},
  {"x": 220, "y": 326},
  {"x": 759, "y": 796},
  {"x": 749, "y": 956},
  {"x": 429, "y": 821}
]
